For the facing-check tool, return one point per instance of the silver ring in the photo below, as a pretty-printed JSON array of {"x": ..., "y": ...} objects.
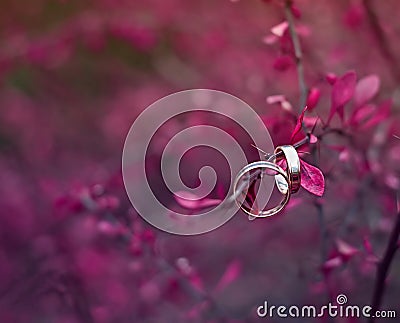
[
  {"x": 263, "y": 165},
  {"x": 293, "y": 166}
]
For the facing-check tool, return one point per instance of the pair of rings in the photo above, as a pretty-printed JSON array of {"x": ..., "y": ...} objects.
[{"x": 288, "y": 181}]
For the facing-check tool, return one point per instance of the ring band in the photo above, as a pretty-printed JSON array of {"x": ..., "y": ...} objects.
[
  {"x": 264, "y": 165},
  {"x": 293, "y": 166}
]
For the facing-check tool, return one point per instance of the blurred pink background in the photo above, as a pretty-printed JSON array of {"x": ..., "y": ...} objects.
[{"x": 75, "y": 74}]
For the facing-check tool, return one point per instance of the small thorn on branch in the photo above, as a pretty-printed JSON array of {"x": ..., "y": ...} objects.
[{"x": 259, "y": 149}]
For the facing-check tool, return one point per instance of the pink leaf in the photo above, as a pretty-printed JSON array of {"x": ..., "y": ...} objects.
[
  {"x": 367, "y": 245},
  {"x": 281, "y": 99},
  {"x": 362, "y": 114},
  {"x": 344, "y": 155},
  {"x": 383, "y": 112},
  {"x": 197, "y": 282},
  {"x": 343, "y": 89},
  {"x": 282, "y": 63},
  {"x": 331, "y": 264},
  {"x": 366, "y": 89},
  {"x": 370, "y": 255},
  {"x": 192, "y": 202},
  {"x": 280, "y": 29},
  {"x": 278, "y": 98},
  {"x": 298, "y": 126},
  {"x": 294, "y": 202},
  {"x": 354, "y": 16},
  {"x": 345, "y": 250},
  {"x": 303, "y": 30},
  {"x": 331, "y": 78},
  {"x": 310, "y": 121},
  {"x": 342, "y": 92},
  {"x": 313, "y": 139},
  {"x": 313, "y": 98},
  {"x": 312, "y": 179},
  {"x": 295, "y": 11},
  {"x": 270, "y": 39},
  {"x": 282, "y": 163},
  {"x": 231, "y": 273}
]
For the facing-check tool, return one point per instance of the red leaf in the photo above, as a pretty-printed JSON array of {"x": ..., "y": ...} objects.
[
  {"x": 298, "y": 126},
  {"x": 312, "y": 179},
  {"x": 342, "y": 92},
  {"x": 366, "y": 89}
]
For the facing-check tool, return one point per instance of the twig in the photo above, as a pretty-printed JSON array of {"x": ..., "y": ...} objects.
[
  {"x": 302, "y": 103},
  {"x": 324, "y": 235},
  {"x": 384, "y": 265},
  {"x": 260, "y": 150},
  {"x": 305, "y": 140},
  {"x": 324, "y": 231},
  {"x": 298, "y": 55},
  {"x": 381, "y": 38}
]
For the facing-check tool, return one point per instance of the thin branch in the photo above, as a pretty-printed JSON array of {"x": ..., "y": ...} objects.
[
  {"x": 383, "y": 43},
  {"x": 302, "y": 103},
  {"x": 260, "y": 150},
  {"x": 324, "y": 236},
  {"x": 324, "y": 232},
  {"x": 305, "y": 140},
  {"x": 298, "y": 55},
  {"x": 384, "y": 265}
]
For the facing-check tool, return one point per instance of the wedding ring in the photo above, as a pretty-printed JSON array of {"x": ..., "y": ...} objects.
[
  {"x": 284, "y": 187},
  {"x": 293, "y": 167}
]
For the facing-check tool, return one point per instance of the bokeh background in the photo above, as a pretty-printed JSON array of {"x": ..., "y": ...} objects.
[{"x": 75, "y": 74}]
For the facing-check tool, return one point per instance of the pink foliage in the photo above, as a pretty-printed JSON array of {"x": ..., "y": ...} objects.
[
  {"x": 342, "y": 92},
  {"x": 312, "y": 179},
  {"x": 74, "y": 76},
  {"x": 366, "y": 89}
]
